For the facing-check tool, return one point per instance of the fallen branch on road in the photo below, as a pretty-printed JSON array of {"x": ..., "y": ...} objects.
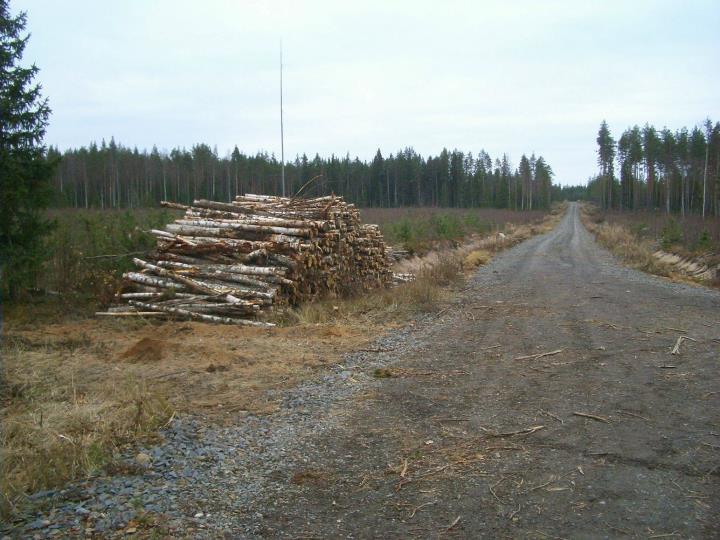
[
  {"x": 407, "y": 480},
  {"x": 526, "y": 431},
  {"x": 539, "y": 355},
  {"x": 414, "y": 511},
  {"x": 453, "y": 524},
  {"x": 676, "y": 348},
  {"x": 592, "y": 417}
]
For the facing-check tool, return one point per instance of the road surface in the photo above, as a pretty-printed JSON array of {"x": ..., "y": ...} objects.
[{"x": 607, "y": 436}]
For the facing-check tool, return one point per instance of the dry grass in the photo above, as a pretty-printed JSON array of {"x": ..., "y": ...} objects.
[
  {"x": 64, "y": 417},
  {"x": 687, "y": 236},
  {"x": 641, "y": 251},
  {"x": 477, "y": 257},
  {"x": 387, "y": 306},
  {"x": 79, "y": 391},
  {"x": 625, "y": 245}
]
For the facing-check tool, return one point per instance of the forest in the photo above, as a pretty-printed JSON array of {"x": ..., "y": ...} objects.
[
  {"x": 111, "y": 175},
  {"x": 646, "y": 168}
]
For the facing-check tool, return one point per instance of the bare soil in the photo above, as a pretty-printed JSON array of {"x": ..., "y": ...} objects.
[{"x": 603, "y": 433}]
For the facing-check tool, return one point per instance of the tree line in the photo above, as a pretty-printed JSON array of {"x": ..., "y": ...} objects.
[
  {"x": 111, "y": 175},
  {"x": 677, "y": 171}
]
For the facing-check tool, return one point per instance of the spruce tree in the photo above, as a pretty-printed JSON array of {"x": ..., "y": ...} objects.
[{"x": 25, "y": 171}]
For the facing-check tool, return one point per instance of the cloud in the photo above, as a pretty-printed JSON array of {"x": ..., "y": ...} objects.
[{"x": 512, "y": 77}]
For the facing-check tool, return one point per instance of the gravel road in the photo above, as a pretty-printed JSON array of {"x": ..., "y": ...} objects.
[{"x": 543, "y": 403}]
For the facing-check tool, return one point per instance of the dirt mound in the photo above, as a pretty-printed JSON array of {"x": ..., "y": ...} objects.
[{"x": 146, "y": 350}]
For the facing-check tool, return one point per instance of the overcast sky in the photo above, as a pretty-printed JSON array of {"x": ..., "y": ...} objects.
[{"x": 505, "y": 76}]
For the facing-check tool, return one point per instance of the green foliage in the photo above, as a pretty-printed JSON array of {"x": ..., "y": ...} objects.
[
  {"x": 668, "y": 170},
  {"x": 571, "y": 193},
  {"x": 705, "y": 242},
  {"x": 418, "y": 233},
  {"x": 25, "y": 173},
  {"x": 403, "y": 231},
  {"x": 639, "y": 229},
  {"x": 88, "y": 250},
  {"x": 671, "y": 234}
]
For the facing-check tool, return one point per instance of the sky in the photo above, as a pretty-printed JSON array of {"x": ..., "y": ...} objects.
[{"x": 507, "y": 76}]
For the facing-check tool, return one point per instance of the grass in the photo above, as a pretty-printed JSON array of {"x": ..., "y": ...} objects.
[
  {"x": 689, "y": 235},
  {"x": 63, "y": 420},
  {"x": 633, "y": 241},
  {"x": 421, "y": 229},
  {"x": 627, "y": 247},
  {"x": 78, "y": 391}
]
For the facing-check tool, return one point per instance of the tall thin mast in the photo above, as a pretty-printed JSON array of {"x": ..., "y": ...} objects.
[{"x": 282, "y": 135}]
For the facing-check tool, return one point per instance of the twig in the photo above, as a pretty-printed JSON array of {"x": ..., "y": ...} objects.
[
  {"x": 551, "y": 481},
  {"x": 492, "y": 490},
  {"x": 114, "y": 256},
  {"x": 592, "y": 416},
  {"x": 412, "y": 514},
  {"x": 453, "y": 524},
  {"x": 551, "y": 415},
  {"x": 539, "y": 355},
  {"x": 676, "y": 348},
  {"x": 526, "y": 431},
  {"x": 675, "y": 329},
  {"x": 302, "y": 188},
  {"x": 172, "y": 417},
  {"x": 628, "y": 413},
  {"x": 403, "y": 472},
  {"x": 418, "y": 477}
]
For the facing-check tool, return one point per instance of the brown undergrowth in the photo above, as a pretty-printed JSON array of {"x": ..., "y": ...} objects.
[
  {"x": 633, "y": 249},
  {"x": 78, "y": 391}
]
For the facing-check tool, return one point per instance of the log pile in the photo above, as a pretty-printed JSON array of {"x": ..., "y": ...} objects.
[{"x": 230, "y": 262}]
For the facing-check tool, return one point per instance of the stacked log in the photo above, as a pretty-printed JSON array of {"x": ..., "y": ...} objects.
[{"x": 232, "y": 262}]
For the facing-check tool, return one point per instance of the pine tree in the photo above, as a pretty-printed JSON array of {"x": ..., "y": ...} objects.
[
  {"x": 651, "y": 148},
  {"x": 606, "y": 155},
  {"x": 667, "y": 161},
  {"x": 25, "y": 171}
]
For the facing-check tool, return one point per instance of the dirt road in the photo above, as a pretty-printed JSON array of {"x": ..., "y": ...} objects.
[
  {"x": 609, "y": 435},
  {"x": 543, "y": 403}
]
